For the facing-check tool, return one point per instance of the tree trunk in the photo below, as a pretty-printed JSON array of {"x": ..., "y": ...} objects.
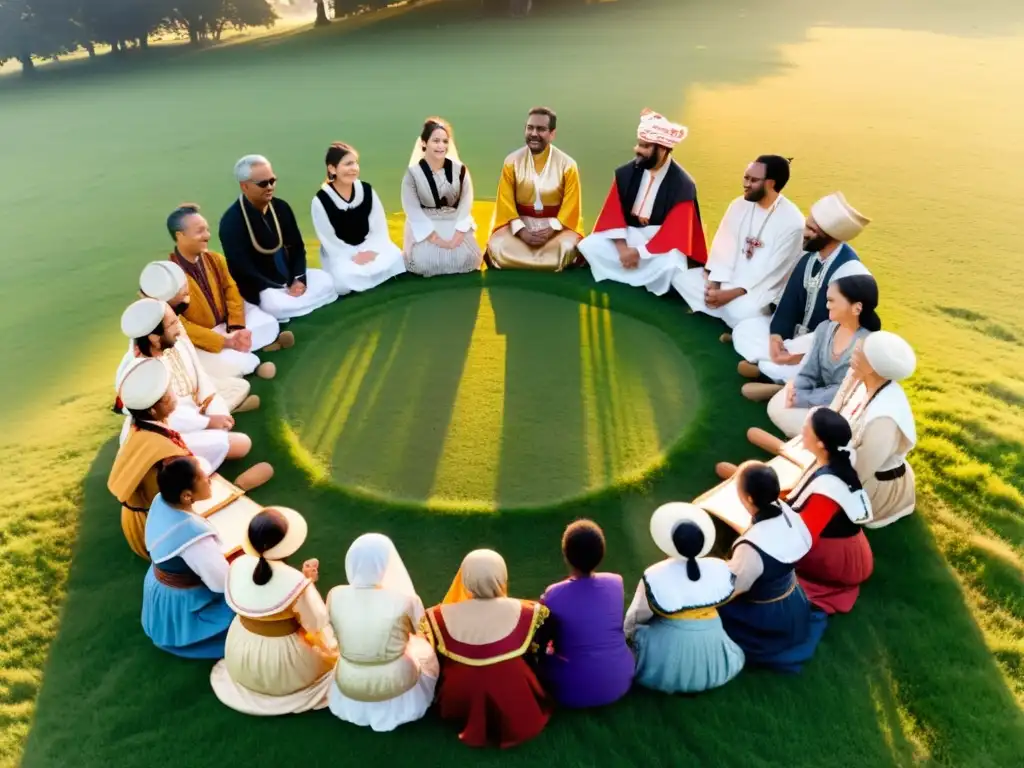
[
  {"x": 144, "y": 42},
  {"x": 28, "y": 67},
  {"x": 90, "y": 49},
  {"x": 321, "y": 14},
  {"x": 338, "y": 8}
]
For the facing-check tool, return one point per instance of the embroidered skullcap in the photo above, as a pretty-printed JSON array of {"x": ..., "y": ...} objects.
[
  {"x": 699, "y": 531},
  {"x": 144, "y": 383},
  {"x": 162, "y": 280},
  {"x": 889, "y": 355},
  {"x": 142, "y": 317},
  {"x": 656, "y": 129},
  {"x": 837, "y": 218},
  {"x": 850, "y": 269}
]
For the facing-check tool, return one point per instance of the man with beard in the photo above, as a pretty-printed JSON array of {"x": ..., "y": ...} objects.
[
  {"x": 650, "y": 222},
  {"x": 166, "y": 281},
  {"x": 538, "y": 217},
  {"x": 774, "y": 347},
  {"x": 200, "y": 415},
  {"x": 753, "y": 251},
  {"x": 225, "y": 328},
  {"x": 264, "y": 247}
]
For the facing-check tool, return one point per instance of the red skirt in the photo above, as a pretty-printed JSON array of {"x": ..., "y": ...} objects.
[
  {"x": 501, "y": 704},
  {"x": 832, "y": 572}
]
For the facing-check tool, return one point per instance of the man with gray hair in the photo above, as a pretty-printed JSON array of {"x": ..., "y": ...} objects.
[{"x": 264, "y": 247}]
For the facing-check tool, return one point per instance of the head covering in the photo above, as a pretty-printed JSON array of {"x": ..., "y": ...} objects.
[
  {"x": 142, "y": 317},
  {"x": 849, "y": 269},
  {"x": 373, "y": 561},
  {"x": 837, "y": 218},
  {"x": 294, "y": 536},
  {"x": 668, "y": 517},
  {"x": 482, "y": 575},
  {"x": 143, "y": 384},
  {"x": 889, "y": 355},
  {"x": 656, "y": 129},
  {"x": 162, "y": 280}
]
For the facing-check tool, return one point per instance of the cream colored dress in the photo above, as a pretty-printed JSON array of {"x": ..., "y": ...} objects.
[
  {"x": 270, "y": 666},
  {"x": 387, "y": 673}
]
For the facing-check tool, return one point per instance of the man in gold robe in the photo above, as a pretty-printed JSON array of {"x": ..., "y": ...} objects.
[{"x": 538, "y": 216}]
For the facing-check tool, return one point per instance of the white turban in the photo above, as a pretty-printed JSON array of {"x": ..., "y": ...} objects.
[
  {"x": 837, "y": 218},
  {"x": 850, "y": 269},
  {"x": 889, "y": 355},
  {"x": 162, "y": 280},
  {"x": 668, "y": 516},
  {"x": 144, "y": 383},
  {"x": 142, "y": 318},
  {"x": 656, "y": 129}
]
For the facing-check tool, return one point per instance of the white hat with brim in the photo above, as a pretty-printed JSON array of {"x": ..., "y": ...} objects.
[
  {"x": 162, "y": 280},
  {"x": 294, "y": 537},
  {"x": 850, "y": 269},
  {"x": 668, "y": 516},
  {"x": 142, "y": 318},
  {"x": 144, "y": 383},
  {"x": 837, "y": 218},
  {"x": 890, "y": 356}
]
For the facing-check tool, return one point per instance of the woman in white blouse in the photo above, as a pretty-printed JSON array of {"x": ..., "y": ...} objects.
[
  {"x": 437, "y": 196},
  {"x": 352, "y": 226}
]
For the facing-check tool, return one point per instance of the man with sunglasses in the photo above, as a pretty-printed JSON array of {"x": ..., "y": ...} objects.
[{"x": 264, "y": 247}]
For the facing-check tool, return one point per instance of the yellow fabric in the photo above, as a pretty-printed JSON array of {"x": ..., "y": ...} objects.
[
  {"x": 200, "y": 318},
  {"x": 133, "y": 477},
  {"x": 517, "y": 186},
  {"x": 509, "y": 252},
  {"x": 457, "y": 592},
  {"x": 133, "y": 524}
]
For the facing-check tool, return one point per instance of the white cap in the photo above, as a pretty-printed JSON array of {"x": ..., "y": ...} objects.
[
  {"x": 668, "y": 516},
  {"x": 889, "y": 355},
  {"x": 849, "y": 269},
  {"x": 142, "y": 318},
  {"x": 144, "y": 383},
  {"x": 837, "y": 218},
  {"x": 162, "y": 280}
]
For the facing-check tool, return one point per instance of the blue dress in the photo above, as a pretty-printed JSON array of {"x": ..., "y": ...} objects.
[
  {"x": 774, "y": 622},
  {"x": 684, "y": 648},
  {"x": 187, "y": 619}
]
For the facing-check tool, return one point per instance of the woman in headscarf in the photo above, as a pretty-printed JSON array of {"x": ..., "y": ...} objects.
[
  {"x": 350, "y": 222},
  {"x": 437, "y": 197},
  {"x": 873, "y": 402},
  {"x": 183, "y": 606},
  {"x": 833, "y": 505},
  {"x": 280, "y": 651},
  {"x": 387, "y": 673},
  {"x": 673, "y": 621},
  {"x": 770, "y": 618},
  {"x": 588, "y": 663},
  {"x": 482, "y": 637}
]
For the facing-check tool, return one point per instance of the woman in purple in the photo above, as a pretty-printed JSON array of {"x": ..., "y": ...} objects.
[{"x": 587, "y": 663}]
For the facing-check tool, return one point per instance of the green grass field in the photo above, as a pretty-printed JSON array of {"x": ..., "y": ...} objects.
[{"x": 907, "y": 107}]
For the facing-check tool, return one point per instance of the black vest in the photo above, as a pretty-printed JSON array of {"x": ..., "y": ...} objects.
[
  {"x": 352, "y": 225},
  {"x": 677, "y": 187},
  {"x": 449, "y": 173}
]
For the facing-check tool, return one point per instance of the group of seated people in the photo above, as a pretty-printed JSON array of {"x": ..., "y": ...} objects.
[{"x": 753, "y": 567}]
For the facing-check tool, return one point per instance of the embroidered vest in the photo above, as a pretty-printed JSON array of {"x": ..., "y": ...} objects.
[{"x": 353, "y": 224}]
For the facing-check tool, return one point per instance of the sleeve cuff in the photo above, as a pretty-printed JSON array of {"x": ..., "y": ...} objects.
[
  {"x": 466, "y": 225},
  {"x": 421, "y": 230},
  {"x": 555, "y": 224},
  {"x": 644, "y": 253},
  {"x": 516, "y": 225}
]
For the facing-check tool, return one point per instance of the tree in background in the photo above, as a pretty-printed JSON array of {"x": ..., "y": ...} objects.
[
  {"x": 36, "y": 28},
  {"x": 321, "y": 14}
]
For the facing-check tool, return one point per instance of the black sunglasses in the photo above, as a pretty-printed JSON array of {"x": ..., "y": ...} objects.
[{"x": 265, "y": 183}]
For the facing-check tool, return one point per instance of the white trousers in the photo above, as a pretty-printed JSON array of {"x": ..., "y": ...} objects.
[
  {"x": 319, "y": 293},
  {"x": 751, "y": 340},
  {"x": 690, "y": 284},
  {"x": 790, "y": 421},
  {"x": 230, "y": 363},
  {"x": 654, "y": 274}
]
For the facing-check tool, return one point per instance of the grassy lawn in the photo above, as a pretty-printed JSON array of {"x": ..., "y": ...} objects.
[{"x": 906, "y": 109}]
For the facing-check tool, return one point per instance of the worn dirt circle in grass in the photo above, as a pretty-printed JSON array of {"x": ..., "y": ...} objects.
[{"x": 488, "y": 397}]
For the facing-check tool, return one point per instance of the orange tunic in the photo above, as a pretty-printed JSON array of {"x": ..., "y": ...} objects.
[{"x": 228, "y": 307}]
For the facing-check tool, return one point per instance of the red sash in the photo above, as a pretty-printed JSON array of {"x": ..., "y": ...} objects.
[{"x": 547, "y": 212}]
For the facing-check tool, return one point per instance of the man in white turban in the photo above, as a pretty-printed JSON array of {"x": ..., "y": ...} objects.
[
  {"x": 650, "y": 222},
  {"x": 773, "y": 346},
  {"x": 200, "y": 415},
  {"x": 753, "y": 251},
  {"x": 166, "y": 281}
]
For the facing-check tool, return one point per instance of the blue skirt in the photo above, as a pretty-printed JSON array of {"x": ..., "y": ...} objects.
[
  {"x": 685, "y": 655},
  {"x": 781, "y": 635},
  {"x": 192, "y": 622}
]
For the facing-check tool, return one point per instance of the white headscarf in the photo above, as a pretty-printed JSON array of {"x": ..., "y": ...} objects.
[{"x": 373, "y": 561}]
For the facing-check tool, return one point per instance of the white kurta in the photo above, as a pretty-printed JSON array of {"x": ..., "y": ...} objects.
[
  {"x": 763, "y": 276},
  {"x": 655, "y": 270},
  {"x": 751, "y": 338},
  {"x": 319, "y": 293},
  {"x": 228, "y": 363},
  {"x": 191, "y": 383},
  {"x": 336, "y": 255}
]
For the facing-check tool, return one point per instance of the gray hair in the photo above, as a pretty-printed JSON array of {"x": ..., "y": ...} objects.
[{"x": 243, "y": 168}]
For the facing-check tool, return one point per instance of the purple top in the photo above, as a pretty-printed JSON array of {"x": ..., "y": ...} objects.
[{"x": 591, "y": 665}]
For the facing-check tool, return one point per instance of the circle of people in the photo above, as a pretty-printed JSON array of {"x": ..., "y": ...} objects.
[{"x": 789, "y": 533}]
